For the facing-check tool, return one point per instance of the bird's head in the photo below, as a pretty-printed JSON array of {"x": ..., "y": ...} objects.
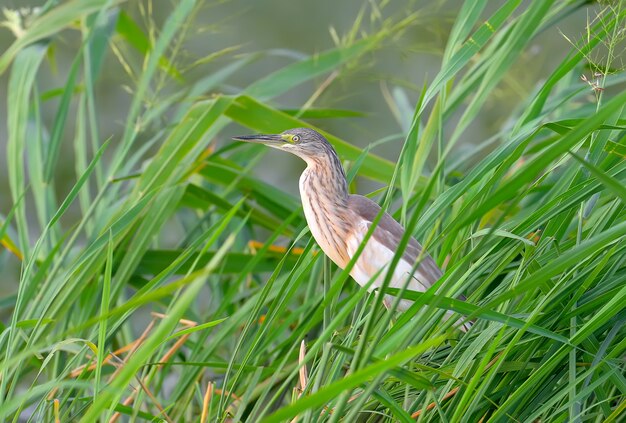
[{"x": 303, "y": 142}]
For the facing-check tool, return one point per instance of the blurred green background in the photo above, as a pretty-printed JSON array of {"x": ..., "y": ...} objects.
[
  {"x": 295, "y": 27},
  {"x": 383, "y": 87}
]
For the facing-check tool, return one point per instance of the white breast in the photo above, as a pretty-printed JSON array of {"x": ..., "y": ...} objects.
[{"x": 376, "y": 256}]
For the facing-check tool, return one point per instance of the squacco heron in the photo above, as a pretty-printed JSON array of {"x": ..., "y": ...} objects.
[{"x": 339, "y": 221}]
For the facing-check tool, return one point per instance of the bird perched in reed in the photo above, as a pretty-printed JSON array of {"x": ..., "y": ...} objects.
[{"x": 339, "y": 221}]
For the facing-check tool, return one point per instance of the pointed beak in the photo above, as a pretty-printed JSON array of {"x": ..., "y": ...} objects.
[{"x": 272, "y": 140}]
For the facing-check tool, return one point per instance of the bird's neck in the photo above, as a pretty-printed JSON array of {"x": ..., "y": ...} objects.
[
  {"x": 324, "y": 179},
  {"x": 324, "y": 194}
]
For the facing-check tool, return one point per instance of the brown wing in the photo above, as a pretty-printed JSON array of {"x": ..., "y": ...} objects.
[{"x": 389, "y": 233}]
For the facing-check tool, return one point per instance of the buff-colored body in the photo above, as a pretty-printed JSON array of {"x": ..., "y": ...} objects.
[{"x": 328, "y": 214}]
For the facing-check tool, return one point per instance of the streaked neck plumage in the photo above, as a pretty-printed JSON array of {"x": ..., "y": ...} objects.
[{"x": 324, "y": 193}]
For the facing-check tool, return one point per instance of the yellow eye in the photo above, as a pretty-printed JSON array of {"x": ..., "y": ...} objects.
[{"x": 295, "y": 138}]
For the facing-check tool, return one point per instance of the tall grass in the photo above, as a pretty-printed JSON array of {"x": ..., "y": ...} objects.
[{"x": 531, "y": 227}]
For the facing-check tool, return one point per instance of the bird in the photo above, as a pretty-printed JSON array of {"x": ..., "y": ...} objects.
[{"x": 339, "y": 221}]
